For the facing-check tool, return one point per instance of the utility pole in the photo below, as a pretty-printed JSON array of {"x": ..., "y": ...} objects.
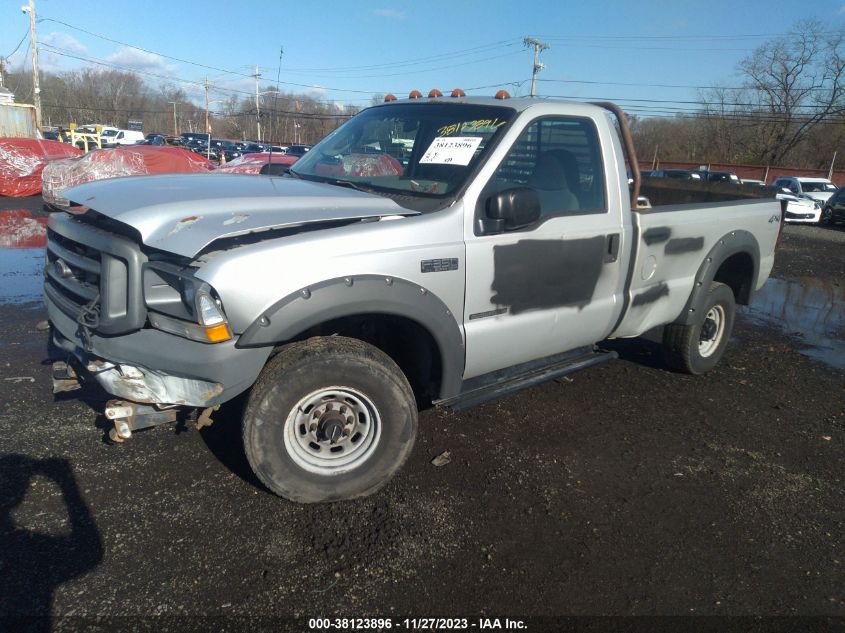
[
  {"x": 36, "y": 87},
  {"x": 207, "y": 128},
  {"x": 206, "y": 106},
  {"x": 175, "y": 133},
  {"x": 257, "y": 107},
  {"x": 538, "y": 46}
]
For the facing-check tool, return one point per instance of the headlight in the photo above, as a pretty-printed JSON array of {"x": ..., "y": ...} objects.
[{"x": 181, "y": 304}]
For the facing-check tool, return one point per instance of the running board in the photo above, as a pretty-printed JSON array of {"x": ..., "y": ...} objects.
[{"x": 534, "y": 376}]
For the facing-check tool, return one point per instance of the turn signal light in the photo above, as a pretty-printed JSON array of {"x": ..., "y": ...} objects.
[{"x": 218, "y": 333}]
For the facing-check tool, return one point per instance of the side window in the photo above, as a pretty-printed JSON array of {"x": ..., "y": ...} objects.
[{"x": 560, "y": 158}]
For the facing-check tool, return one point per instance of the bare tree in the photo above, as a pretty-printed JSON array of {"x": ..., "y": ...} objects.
[{"x": 795, "y": 83}]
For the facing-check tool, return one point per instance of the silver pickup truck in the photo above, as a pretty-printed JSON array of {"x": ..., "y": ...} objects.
[{"x": 440, "y": 250}]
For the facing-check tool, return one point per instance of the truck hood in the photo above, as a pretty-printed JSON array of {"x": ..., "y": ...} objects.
[{"x": 184, "y": 213}]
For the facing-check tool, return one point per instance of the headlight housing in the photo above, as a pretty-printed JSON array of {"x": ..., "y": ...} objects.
[{"x": 181, "y": 304}]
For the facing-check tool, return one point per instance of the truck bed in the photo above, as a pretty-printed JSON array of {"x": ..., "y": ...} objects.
[{"x": 670, "y": 243}]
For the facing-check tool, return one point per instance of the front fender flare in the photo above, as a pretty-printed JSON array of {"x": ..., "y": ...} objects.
[{"x": 364, "y": 294}]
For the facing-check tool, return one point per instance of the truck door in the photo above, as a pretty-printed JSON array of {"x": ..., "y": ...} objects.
[{"x": 557, "y": 284}]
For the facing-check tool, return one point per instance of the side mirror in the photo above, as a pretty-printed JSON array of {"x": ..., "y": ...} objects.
[{"x": 511, "y": 209}]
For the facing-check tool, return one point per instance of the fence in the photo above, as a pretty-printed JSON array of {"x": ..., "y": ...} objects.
[{"x": 757, "y": 172}]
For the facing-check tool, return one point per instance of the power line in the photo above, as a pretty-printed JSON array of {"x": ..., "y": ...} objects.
[
  {"x": 141, "y": 48},
  {"x": 18, "y": 46},
  {"x": 637, "y": 85},
  {"x": 411, "y": 62},
  {"x": 683, "y": 37}
]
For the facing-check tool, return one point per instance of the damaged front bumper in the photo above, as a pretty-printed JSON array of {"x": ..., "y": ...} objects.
[{"x": 151, "y": 367}]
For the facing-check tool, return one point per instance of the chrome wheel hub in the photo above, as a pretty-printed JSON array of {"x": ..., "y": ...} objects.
[
  {"x": 332, "y": 430},
  {"x": 712, "y": 331}
]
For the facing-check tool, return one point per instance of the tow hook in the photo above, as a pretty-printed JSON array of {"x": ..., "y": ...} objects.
[
  {"x": 131, "y": 416},
  {"x": 64, "y": 377}
]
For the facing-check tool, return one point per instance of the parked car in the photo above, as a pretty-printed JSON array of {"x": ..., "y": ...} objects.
[
  {"x": 187, "y": 137},
  {"x": 253, "y": 148},
  {"x": 680, "y": 174},
  {"x": 225, "y": 148},
  {"x": 726, "y": 177},
  {"x": 834, "y": 209},
  {"x": 753, "y": 181},
  {"x": 297, "y": 150},
  {"x": 342, "y": 296},
  {"x": 820, "y": 189},
  {"x": 800, "y": 208},
  {"x": 155, "y": 139}
]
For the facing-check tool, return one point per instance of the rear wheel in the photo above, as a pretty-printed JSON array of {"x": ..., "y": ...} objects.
[
  {"x": 329, "y": 418},
  {"x": 697, "y": 347}
]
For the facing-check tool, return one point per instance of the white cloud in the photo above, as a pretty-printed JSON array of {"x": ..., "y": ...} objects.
[
  {"x": 134, "y": 59},
  {"x": 65, "y": 42},
  {"x": 47, "y": 59},
  {"x": 390, "y": 13}
]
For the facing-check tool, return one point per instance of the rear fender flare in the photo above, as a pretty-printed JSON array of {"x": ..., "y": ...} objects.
[
  {"x": 364, "y": 294},
  {"x": 728, "y": 245}
]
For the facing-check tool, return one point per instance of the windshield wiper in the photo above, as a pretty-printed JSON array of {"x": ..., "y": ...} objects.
[{"x": 350, "y": 184}]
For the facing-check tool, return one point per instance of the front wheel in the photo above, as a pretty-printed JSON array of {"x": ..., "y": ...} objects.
[
  {"x": 826, "y": 216},
  {"x": 329, "y": 418},
  {"x": 697, "y": 347}
]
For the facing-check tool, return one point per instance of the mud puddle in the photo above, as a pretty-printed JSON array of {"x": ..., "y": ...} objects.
[
  {"x": 813, "y": 310},
  {"x": 22, "y": 241}
]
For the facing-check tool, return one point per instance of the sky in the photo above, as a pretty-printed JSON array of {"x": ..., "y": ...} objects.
[{"x": 648, "y": 55}]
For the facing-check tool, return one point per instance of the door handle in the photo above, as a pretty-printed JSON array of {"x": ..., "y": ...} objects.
[{"x": 611, "y": 252}]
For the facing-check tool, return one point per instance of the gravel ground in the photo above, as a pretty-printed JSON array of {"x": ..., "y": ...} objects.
[{"x": 623, "y": 490}]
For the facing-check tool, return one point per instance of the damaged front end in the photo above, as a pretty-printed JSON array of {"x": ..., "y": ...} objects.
[{"x": 144, "y": 328}]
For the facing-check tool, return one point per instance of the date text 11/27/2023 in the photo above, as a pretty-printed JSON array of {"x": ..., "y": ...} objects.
[{"x": 414, "y": 624}]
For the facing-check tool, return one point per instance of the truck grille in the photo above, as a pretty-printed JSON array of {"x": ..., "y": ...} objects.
[{"x": 87, "y": 266}]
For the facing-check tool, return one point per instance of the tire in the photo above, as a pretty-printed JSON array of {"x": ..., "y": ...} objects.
[
  {"x": 698, "y": 347},
  {"x": 826, "y": 216},
  {"x": 329, "y": 418}
]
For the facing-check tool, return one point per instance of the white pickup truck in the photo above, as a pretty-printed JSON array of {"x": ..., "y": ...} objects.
[{"x": 441, "y": 250}]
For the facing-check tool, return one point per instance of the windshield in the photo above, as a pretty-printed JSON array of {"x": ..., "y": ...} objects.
[
  {"x": 108, "y": 133},
  {"x": 416, "y": 149},
  {"x": 813, "y": 187}
]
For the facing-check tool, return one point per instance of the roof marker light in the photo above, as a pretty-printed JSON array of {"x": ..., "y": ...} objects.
[
  {"x": 389, "y": 97},
  {"x": 415, "y": 94},
  {"x": 457, "y": 92},
  {"x": 434, "y": 93},
  {"x": 502, "y": 94}
]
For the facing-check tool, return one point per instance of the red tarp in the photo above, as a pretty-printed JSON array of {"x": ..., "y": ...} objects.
[
  {"x": 362, "y": 166},
  {"x": 133, "y": 160},
  {"x": 18, "y": 229},
  {"x": 23, "y": 159},
  {"x": 252, "y": 163}
]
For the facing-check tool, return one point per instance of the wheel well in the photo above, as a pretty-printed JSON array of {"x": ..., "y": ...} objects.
[
  {"x": 737, "y": 272},
  {"x": 409, "y": 344}
]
